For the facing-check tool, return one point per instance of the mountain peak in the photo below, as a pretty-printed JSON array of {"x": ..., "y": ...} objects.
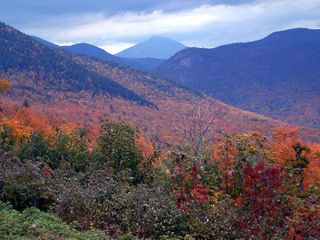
[
  {"x": 154, "y": 47},
  {"x": 89, "y": 50},
  {"x": 160, "y": 38}
]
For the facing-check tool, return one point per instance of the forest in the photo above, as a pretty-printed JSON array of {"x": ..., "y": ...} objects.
[{"x": 56, "y": 183}]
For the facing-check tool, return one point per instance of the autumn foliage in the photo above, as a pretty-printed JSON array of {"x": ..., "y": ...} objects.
[
  {"x": 239, "y": 187},
  {"x": 4, "y": 85}
]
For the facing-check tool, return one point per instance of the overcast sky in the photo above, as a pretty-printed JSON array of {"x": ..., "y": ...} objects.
[{"x": 118, "y": 24}]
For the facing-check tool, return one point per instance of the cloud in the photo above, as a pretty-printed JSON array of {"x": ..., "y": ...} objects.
[
  {"x": 34, "y": 9},
  {"x": 211, "y": 24},
  {"x": 115, "y": 47}
]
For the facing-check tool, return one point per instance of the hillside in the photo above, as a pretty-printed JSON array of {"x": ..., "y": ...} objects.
[
  {"x": 177, "y": 104},
  {"x": 35, "y": 69},
  {"x": 154, "y": 47},
  {"x": 80, "y": 90},
  {"x": 45, "y": 42},
  {"x": 278, "y": 76}
]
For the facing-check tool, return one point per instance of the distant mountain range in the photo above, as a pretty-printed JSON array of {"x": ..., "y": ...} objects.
[
  {"x": 77, "y": 89},
  {"x": 277, "y": 76},
  {"x": 144, "y": 64},
  {"x": 154, "y": 47}
]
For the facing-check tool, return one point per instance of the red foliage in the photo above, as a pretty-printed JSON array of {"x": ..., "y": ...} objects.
[
  {"x": 47, "y": 171},
  {"x": 261, "y": 209},
  {"x": 260, "y": 188},
  {"x": 191, "y": 189},
  {"x": 239, "y": 201},
  {"x": 199, "y": 192},
  {"x": 224, "y": 153},
  {"x": 295, "y": 234}
]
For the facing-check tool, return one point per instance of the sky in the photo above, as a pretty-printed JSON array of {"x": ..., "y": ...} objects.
[{"x": 117, "y": 24}]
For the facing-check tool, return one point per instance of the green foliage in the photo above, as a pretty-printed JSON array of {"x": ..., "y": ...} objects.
[
  {"x": 7, "y": 141},
  {"x": 33, "y": 224},
  {"x": 69, "y": 148},
  {"x": 300, "y": 162},
  {"x": 35, "y": 147},
  {"x": 79, "y": 155},
  {"x": 250, "y": 151},
  {"x": 117, "y": 149}
]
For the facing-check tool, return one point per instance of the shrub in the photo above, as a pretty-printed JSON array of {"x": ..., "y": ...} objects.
[
  {"x": 7, "y": 140},
  {"x": 25, "y": 184},
  {"x": 61, "y": 148},
  {"x": 146, "y": 211},
  {"x": 33, "y": 224},
  {"x": 117, "y": 149}
]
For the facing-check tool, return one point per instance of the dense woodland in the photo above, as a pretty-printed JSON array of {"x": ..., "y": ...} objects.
[{"x": 56, "y": 184}]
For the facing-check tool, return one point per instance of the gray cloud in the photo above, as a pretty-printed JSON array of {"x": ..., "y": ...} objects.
[
  {"x": 22, "y": 13},
  {"x": 118, "y": 24}
]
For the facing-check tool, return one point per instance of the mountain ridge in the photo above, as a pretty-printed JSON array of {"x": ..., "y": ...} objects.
[
  {"x": 154, "y": 47},
  {"x": 144, "y": 64},
  {"x": 277, "y": 76}
]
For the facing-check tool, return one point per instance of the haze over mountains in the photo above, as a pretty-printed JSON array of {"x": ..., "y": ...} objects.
[
  {"x": 278, "y": 76},
  {"x": 154, "y": 47},
  {"x": 144, "y": 64},
  {"x": 86, "y": 90}
]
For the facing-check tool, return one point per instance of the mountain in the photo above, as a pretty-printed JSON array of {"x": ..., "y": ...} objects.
[
  {"x": 45, "y": 42},
  {"x": 90, "y": 50},
  {"x": 154, "y": 47},
  {"x": 144, "y": 64},
  {"x": 81, "y": 91},
  {"x": 35, "y": 68},
  {"x": 277, "y": 76}
]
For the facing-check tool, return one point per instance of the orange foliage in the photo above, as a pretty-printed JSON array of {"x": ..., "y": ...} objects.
[
  {"x": 4, "y": 85},
  {"x": 224, "y": 153},
  {"x": 280, "y": 147},
  {"x": 145, "y": 148},
  {"x": 37, "y": 121},
  {"x": 25, "y": 121},
  {"x": 282, "y": 153},
  {"x": 19, "y": 130},
  {"x": 312, "y": 175}
]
